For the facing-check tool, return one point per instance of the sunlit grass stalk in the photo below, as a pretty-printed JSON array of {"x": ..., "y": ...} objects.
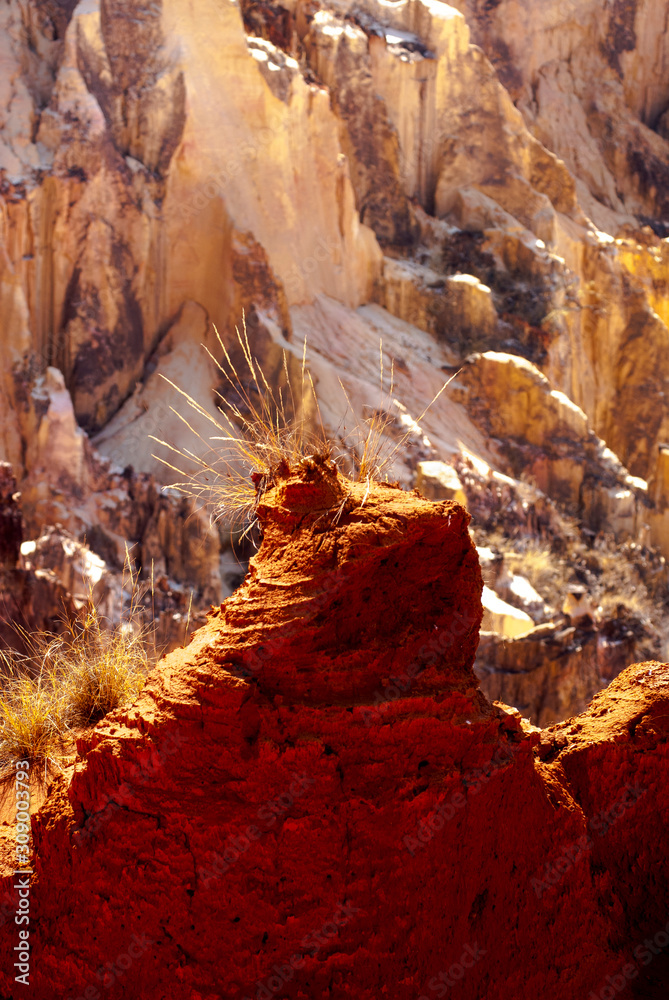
[
  {"x": 260, "y": 440},
  {"x": 261, "y": 436},
  {"x": 32, "y": 725},
  {"x": 67, "y": 682}
]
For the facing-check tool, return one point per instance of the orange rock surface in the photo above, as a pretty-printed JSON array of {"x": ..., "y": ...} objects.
[{"x": 314, "y": 800}]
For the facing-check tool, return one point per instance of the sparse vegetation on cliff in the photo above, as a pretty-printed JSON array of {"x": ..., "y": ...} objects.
[
  {"x": 31, "y": 718},
  {"x": 101, "y": 669},
  {"x": 262, "y": 434},
  {"x": 265, "y": 435},
  {"x": 66, "y": 683}
]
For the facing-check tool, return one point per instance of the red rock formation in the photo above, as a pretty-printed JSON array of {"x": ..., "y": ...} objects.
[{"x": 314, "y": 800}]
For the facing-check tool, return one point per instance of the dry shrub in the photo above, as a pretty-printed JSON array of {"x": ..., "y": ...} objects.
[
  {"x": 636, "y": 604},
  {"x": 32, "y": 723},
  {"x": 99, "y": 669},
  {"x": 545, "y": 571},
  {"x": 67, "y": 682},
  {"x": 264, "y": 436},
  {"x": 260, "y": 435}
]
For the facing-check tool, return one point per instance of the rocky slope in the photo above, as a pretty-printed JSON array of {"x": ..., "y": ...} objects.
[
  {"x": 313, "y": 799},
  {"x": 138, "y": 206},
  {"x": 476, "y": 182}
]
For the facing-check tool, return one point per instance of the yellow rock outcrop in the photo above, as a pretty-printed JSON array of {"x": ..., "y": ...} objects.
[{"x": 165, "y": 169}]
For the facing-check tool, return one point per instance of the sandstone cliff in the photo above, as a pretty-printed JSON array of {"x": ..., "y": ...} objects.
[
  {"x": 165, "y": 170},
  {"x": 468, "y": 182}
]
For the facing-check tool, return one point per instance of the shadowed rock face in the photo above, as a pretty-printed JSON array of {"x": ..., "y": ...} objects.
[
  {"x": 11, "y": 522},
  {"x": 137, "y": 85},
  {"x": 140, "y": 91},
  {"x": 56, "y": 14},
  {"x": 314, "y": 794},
  {"x": 29, "y": 601},
  {"x": 346, "y": 63}
]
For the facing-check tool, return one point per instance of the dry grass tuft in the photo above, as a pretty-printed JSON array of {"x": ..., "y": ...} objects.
[
  {"x": 547, "y": 573},
  {"x": 31, "y": 719},
  {"x": 98, "y": 669},
  {"x": 262, "y": 437},
  {"x": 64, "y": 683},
  {"x": 265, "y": 435}
]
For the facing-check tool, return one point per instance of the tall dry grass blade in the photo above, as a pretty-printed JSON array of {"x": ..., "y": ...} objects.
[
  {"x": 268, "y": 435},
  {"x": 68, "y": 681}
]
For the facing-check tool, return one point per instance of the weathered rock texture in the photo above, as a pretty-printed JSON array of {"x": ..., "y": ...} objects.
[
  {"x": 11, "y": 520},
  {"x": 163, "y": 169},
  {"x": 541, "y": 434},
  {"x": 450, "y": 179},
  {"x": 591, "y": 83},
  {"x": 81, "y": 573},
  {"x": 30, "y": 597},
  {"x": 316, "y": 780},
  {"x": 552, "y": 671},
  {"x": 548, "y": 674}
]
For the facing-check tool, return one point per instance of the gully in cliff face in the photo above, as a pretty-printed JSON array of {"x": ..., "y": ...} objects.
[{"x": 268, "y": 819}]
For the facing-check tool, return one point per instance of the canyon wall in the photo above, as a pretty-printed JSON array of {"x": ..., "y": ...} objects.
[
  {"x": 479, "y": 183},
  {"x": 164, "y": 171}
]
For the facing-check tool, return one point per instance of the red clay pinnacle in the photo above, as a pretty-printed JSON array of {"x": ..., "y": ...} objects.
[{"x": 312, "y": 801}]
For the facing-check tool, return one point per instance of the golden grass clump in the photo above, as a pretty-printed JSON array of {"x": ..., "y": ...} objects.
[
  {"x": 65, "y": 683},
  {"x": 262, "y": 435},
  {"x": 31, "y": 718},
  {"x": 634, "y": 599},
  {"x": 99, "y": 669},
  {"x": 547, "y": 573},
  {"x": 265, "y": 435}
]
